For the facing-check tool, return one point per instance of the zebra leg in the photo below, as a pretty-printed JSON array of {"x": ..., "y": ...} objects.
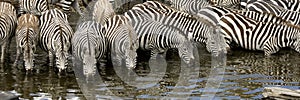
[
  {"x": 3, "y": 52},
  {"x": 17, "y": 56},
  {"x": 271, "y": 46},
  {"x": 116, "y": 59},
  {"x": 51, "y": 58},
  {"x": 153, "y": 55}
]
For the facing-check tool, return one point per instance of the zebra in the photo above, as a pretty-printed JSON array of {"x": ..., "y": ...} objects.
[
  {"x": 225, "y": 3},
  {"x": 261, "y": 6},
  {"x": 158, "y": 38},
  {"x": 102, "y": 10},
  {"x": 26, "y": 38},
  {"x": 8, "y": 21},
  {"x": 38, "y": 6},
  {"x": 189, "y": 6},
  {"x": 55, "y": 36},
  {"x": 35, "y": 7},
  {"x": 122, "y": 40},
  {"x": 197, "y": 29},
  {"x": 292, "y": 5},
  {"x": 214, "y": 13},
  {"x": 253, "y": 35},
  {"x": 89, "y": 44}
]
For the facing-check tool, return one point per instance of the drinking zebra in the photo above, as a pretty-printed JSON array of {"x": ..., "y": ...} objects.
[
  {"x": 8, "y": 20},
  {"x": 197, "y": 29},
  {"x": 89, "y": 45},
  {"x": 253, "y": 35},
  {"x": 122, "y": 40},
  {"x": 26, "y": 36},
  {"x": 158, "y": 38},
  {"x": 55, "y": 36}
]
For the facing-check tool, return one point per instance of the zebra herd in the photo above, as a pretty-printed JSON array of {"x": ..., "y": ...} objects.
[{"x": 265, "y": 25}]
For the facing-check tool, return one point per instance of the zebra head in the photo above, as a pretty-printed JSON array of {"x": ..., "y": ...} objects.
[
  {"x": 185, "y": 51},
  {"x": 89, "y": 60},
  {"x": 296, "y": 44},
  {"x": 61, "y": 55},
  {"x": 29, "y": 55},
  {"x": 131, "y": 54}
]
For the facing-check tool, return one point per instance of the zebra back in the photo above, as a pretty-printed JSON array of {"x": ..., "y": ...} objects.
[
  {"x": 8, "y": 19},
  {"x": 89, "y": 45},
  {"x": 263, "y": 16},
  {"x": 55, "y": 35},
  {"x": 35, "y": 7},
  {"x": 183, "y": 21},
  {"x": 157, "y": 37},
  {"x": 102, "y": 10},
  {"x": 254, "y": 35},
  {"x": 261, "y": 6},
  {"x": 292, "y": 5},
  {"x": 213, "y": 13},
  {"x": 225, "y": 3},
  {"x": 26, "y": 37}
]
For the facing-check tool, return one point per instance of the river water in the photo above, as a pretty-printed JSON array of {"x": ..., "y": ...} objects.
[{"x": 245, "y": 75}]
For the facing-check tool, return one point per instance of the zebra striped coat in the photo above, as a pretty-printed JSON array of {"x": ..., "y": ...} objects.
[
  {"x": 35, "y": 7},
  {"x": 261, "y": 6},
  {"x": 214, "y": 13},
  {"x": 292, "y": 5},
  {"x": 253, "y": 35},
  {"x": 89, "y": 45},
  {"x": 102, "y": 10},
  {"x": 158, "y": 38},
  {"x": 8, "y": 20},
  {"x": 189, "y": 6},
  {"x": 26, "y": 38},
  {"x": 122, "y": 40},
  {"x": 55, "y": 36},
  {"x": 196, "y": 29}
]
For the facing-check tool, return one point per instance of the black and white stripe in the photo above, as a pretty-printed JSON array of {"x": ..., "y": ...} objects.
[
  {"x": 122, "y": 40},
  {"x": 196, "y": 29},
  {"x": 89, "y": 45},
  {"x": 292, "y": 5},
  {"x": 102, "y": 10},
  {"x": 55, "y": 36},
  {"x": 252, "y": 35},
  {"x": 26, "y": 38},
  {"x": 189, "y": 6},
  {"x": 158, "y": 38},
  {"x": 261, "y": 6},
  {"x": 35, "y": 7},
  {"x": 8, "y": 20},
  {"x": 214, "y": 13},
  {"x": 225, "y": 3}
]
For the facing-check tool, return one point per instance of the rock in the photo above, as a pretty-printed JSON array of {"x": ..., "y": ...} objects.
[
  {"x": 280, "y": 93},
  {"x": 8, "y": 96}
]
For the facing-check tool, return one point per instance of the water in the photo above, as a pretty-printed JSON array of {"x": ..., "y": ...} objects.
[{"x": 244, "y": 77}]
